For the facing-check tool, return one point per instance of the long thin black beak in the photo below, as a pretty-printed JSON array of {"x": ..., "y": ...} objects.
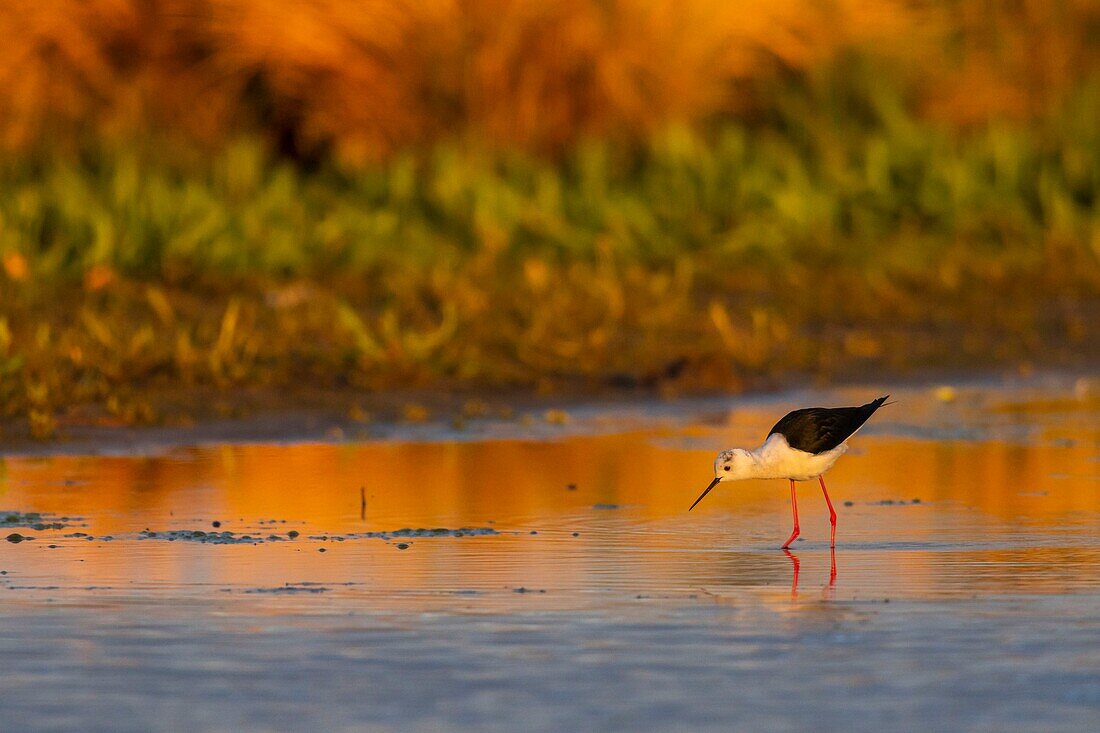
[{"x": 712, "y": 485}]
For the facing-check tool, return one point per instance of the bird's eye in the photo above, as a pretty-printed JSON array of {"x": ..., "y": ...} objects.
[{"x": 727, "y": 468}]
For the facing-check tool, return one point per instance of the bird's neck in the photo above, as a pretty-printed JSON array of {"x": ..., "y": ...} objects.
[{"x": 765, "y": 460}]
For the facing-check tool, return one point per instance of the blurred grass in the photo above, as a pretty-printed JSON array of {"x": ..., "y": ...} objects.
[
  {"x": 808, "y": 243},
  {"x": 534, "y": 197},
  {"x": 359, "y": 81}
]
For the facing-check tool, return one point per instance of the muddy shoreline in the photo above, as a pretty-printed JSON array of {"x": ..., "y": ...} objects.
[{"x": 334, "y": 416}]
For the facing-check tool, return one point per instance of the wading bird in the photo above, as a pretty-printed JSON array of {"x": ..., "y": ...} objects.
[{"x": 802, "y": 446}]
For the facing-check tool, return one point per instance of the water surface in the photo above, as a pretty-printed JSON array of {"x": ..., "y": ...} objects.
[{"x": 565, "y": 584}]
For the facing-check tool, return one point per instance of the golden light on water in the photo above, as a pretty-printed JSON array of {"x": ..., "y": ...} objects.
[{"x": 576, "y": 516}]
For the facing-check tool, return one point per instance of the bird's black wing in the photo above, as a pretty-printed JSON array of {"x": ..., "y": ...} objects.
[{"x": 819, "y": 429}]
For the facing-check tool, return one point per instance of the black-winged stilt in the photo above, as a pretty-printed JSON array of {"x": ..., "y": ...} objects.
[{"x": 802, "y": 446}]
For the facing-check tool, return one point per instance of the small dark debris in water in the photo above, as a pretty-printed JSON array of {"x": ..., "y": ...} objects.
[
  {"x": 849, "y": 503},
  {"x": 607, "y": 506},
  {"x": 437, "y": 532},
  {"x": 576, "y": 534},
  {"x": 290, "y": 589},
  {"x": 534, "y": 531},
  {"x": 196, "y": 535},
  {"x": 571, "y": 487},
  {"x": 215, "y": 524},
  {"x": 915, "y": 501},
  {"x": 321, "y": 549},
  {"x": 895, "y": 502},
  {"x": 402, "y": 545},
  {"x": 521, "y": 589},
  {"x": 226, "y": 537},
  {"x": 35, "y": 520},
  {"x": 16, "y": 538}
]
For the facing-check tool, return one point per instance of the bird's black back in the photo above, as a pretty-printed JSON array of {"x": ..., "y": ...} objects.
[{"x": 819, "y": 429}]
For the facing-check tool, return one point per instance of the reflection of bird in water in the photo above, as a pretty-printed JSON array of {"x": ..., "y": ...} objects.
[
  {"x": 802, "y": 446},
  {"x": 829, "y": 589}
]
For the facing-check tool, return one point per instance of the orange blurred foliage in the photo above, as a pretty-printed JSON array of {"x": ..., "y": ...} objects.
[
  {"x": 363, "y": 79},
  {"x": 15, "y": 265},
  {"x": 1012, "y": 59}
]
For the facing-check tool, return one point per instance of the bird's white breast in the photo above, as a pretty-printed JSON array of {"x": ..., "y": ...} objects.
[{"x": 777, "y": 459}]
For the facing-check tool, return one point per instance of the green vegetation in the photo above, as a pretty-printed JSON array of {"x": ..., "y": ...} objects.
[{"x": 838, "y": 230}]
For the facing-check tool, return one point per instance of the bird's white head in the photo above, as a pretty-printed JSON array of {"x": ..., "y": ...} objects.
[
  {"x": 733, "y": 465},
  {"x": 730, "y": 465}
]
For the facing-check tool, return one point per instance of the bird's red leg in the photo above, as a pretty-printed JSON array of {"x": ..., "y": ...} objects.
[
  {"x": 794, "y": 508},
  {"x": 794, "y": 575},
  {"x": 832, "y": 512}
]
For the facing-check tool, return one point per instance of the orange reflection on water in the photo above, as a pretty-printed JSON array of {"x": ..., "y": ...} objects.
[{"x": 608, "y": 514}]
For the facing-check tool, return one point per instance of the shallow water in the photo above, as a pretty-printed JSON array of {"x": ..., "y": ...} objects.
[{"x": 570, "y": 588}]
